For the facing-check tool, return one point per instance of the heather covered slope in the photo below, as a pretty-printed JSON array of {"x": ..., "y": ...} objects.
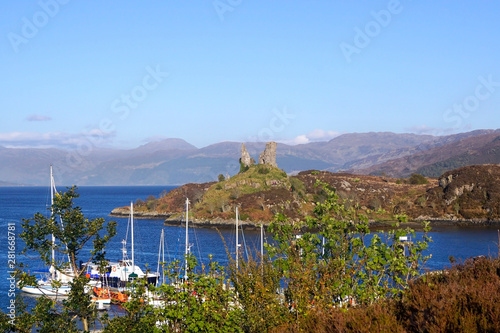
[
  {"x": 469, "y": 194},
  {"x": 466, "y": 150}
]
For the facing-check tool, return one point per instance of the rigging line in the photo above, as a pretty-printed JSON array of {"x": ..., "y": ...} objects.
[
  {"x": 128, "y": 226},
  {"x": 179, "y": 234},
  {"x": 197, "y": 245},
  {"x": 244, "y": 241},
  {"x": 161, "y": 258},
  {"x": 54, "y": 190},
  {"x": 167, "y": 250},
  {"x": 176, "y": 253}
]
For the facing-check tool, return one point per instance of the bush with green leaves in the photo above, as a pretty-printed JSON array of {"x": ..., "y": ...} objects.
[
  {"x": 330, "y": 260},
  {"x": 202, "y": 302},
  {"x": 73, "y": 233},
  {"x": 417, "y": 179}
]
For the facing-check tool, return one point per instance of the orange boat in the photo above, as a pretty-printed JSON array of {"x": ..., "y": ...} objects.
[{"x": 116, "y": 296}]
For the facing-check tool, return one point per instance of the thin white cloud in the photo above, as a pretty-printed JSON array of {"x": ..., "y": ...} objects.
[
  {"x": 94, "y": 138},
  {"x": 154, "y": 138},
  {"x": 317, "y": 135},
  {"x": 424, "y": 129},
  {"x": 38, "y": 117},
  {"x": 322, "y": 135}
]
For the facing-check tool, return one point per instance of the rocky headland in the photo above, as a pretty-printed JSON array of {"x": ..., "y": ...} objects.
[{"x": 467, "y": 195}]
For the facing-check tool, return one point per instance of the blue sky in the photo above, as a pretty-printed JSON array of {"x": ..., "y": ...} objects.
[{"x": 122, "y": 73}]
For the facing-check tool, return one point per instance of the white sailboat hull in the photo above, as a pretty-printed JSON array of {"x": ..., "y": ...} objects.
[{"x": 46, "y": 289}]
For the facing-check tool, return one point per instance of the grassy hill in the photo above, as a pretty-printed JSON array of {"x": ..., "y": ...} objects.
[{"x": 468, "y": 194}]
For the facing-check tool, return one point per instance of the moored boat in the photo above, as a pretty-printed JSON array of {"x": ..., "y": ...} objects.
[
  {"x": 53, "y": 282},
  {"x": 119, "y": 274}
]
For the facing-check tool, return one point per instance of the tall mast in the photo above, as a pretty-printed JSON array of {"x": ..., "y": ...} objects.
[
  {"x": 187, "y": 239},
  {"x": 52, "y": 185},
  {"x": 262, "y": 248},
  {"x": 237, "y": 242},
  {"x": 161, "y": 258},
  {"x": 262, "y": 240},
  {"x": 163, "y": 252},
  {"x": 132, "y": 233}
]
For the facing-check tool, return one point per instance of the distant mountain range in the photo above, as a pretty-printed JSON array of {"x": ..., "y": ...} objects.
[{"x": 175, "y": 161}]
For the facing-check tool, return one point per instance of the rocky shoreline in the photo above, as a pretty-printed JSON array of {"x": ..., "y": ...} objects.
[
  {"x": 124, "y": 212},
  {"x": 175, "y": 219}
]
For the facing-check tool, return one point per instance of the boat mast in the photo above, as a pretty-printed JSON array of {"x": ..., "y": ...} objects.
[
  {"x": 161, "y": 258},
  {"x": 262, "y": 240},
  {"x": 132, "y": 233},
  {"x": 262, "y": 248},
  {"x": 52, "y": 185},
  {"x": 187, "y": 239},
  {"x": 237, "y": 242}
]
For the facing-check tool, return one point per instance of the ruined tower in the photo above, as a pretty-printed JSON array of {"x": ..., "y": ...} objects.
[
  {"x": 268, "y": 156},
  {"x": 245, "y": 159}
]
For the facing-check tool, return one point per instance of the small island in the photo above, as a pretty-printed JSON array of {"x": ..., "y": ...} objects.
[{"x": 467, "y": 195}]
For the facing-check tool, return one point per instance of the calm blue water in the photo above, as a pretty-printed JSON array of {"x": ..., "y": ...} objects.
[{"x": 23, "y": 202}]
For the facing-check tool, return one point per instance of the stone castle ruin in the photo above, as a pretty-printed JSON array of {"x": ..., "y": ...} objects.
[
  {"x": 268, "y": 156},
  {"x": 245, "y": 159}
]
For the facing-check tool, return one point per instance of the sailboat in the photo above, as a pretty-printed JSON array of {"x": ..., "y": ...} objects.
[
  {"x": 154, "y": 299},
  {"x": 238, "y": 245},
  {"x": 57, "y": 283},
  {"x": 118, "y": 274}
]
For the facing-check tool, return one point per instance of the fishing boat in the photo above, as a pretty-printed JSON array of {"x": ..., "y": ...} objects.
[
  {"x": 53, "y": 282},
  {"x": 119, "y": 274}
]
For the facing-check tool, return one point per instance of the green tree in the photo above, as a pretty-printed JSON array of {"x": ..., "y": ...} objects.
[
  {"x": 73, "y": 234},
  {"x": 198, "y": 302},
  {"x": 329, "y": 260}
]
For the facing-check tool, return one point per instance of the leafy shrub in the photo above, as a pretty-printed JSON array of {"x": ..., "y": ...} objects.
[
  {"x": 243, "y": 167},
  {"x": 297, "y": 186},
  {"x": 263, "y": 170},
  {"x": 417, "y": 179}
]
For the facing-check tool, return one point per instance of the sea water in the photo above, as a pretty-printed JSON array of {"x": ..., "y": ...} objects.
[{"x": 17, "y": 203}]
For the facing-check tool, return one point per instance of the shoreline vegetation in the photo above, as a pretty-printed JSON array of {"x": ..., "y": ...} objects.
[
  {"x": 331, "y": 280},
  {"x": 468, "y": 196},
  {"x": 175, "y": 220}
]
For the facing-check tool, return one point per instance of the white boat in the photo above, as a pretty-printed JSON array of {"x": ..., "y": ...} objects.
[
  {"x": 118, "y": 274},
  {"x": 55, "y": 282},
  {"x": 45, "y": 287}
]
